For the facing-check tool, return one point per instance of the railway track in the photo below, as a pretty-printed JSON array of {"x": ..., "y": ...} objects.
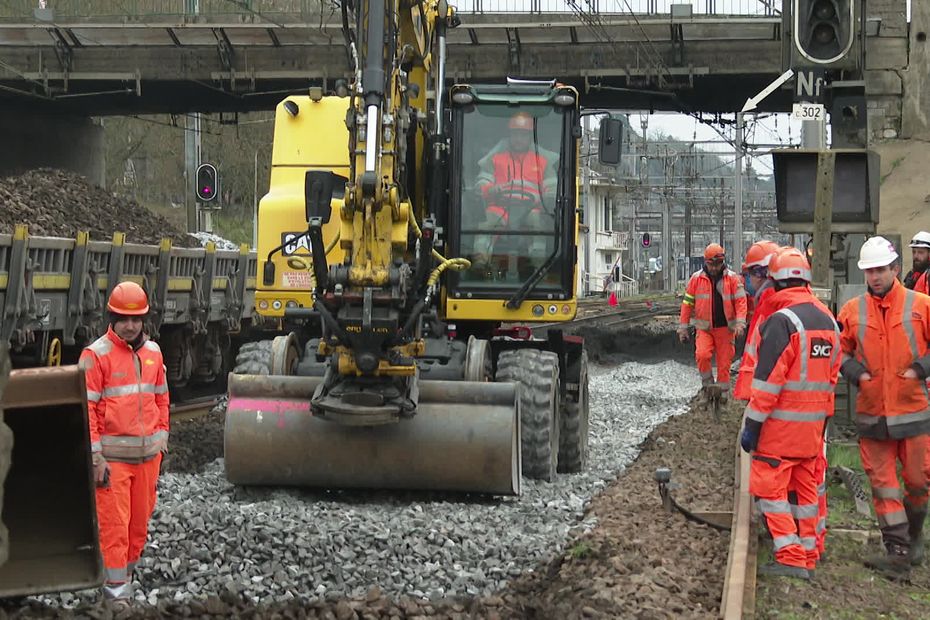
[
  {"x": 194, "y": 408},
  {"x": 601, "y": 314}
]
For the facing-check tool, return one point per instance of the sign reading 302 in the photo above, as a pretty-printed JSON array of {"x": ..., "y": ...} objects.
[{"x": 808, "y": 111}]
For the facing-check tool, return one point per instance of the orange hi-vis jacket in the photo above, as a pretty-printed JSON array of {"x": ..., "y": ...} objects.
[
  {"x": 885, "y": 336},
  {"x": 922, "y": 284},
  {"x": 796, "y": 372},
  {"x": 697, "y": 307},
  {"x": 127, "y": 398},
  {"x": 762, "y": 311},
  {"x": 520, "y": 176}
]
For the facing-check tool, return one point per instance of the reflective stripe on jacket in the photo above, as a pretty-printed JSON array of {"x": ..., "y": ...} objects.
[
  {"x": 127, "y": 398},
  {"x": 697, "y": 307},
  {"x": 798, "y": 364},
  {"x": 763, "y": 310},
  {"x": 885, "y": 336}
]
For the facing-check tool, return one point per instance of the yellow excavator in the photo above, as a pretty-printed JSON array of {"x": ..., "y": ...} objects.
[{"x": 403, "y": 255}]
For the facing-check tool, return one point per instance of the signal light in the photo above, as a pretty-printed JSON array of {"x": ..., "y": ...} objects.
[
  {"x": 824, "y": 30},
  {"x": 207, "y": 182}
]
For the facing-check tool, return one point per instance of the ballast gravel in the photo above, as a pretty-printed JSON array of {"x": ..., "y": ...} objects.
[{"x": 211, "y": 541}]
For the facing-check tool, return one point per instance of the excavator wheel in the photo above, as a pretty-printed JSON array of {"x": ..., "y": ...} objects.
[
  {"x": 254, "y": 358},
  {"x": 478, "y": 365},
  {"x": 284, "y": 354},
  {"x": 573, "y": 422},
  {"x": 537, "y": 374}
]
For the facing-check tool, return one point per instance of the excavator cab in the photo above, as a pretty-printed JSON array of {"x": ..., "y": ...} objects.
[{"x": 512, "y": 182}]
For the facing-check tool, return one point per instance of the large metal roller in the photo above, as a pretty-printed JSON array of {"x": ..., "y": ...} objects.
[{"x": 464, "y": 437}]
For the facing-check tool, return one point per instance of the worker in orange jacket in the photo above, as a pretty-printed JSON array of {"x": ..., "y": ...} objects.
[
  {"x": 517, "y": 181},
  {"x": 917, "y": 279},
  {"x": 715, "y": 304},
  {"x": 760, "y": 288},
  {"x": 792, "y": 397},
  {"x": 886, "y": 333},
  {"x": 127, "y": 407}
]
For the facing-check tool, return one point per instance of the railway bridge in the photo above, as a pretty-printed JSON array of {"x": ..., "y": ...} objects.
[{"x": 63, "y": 65}]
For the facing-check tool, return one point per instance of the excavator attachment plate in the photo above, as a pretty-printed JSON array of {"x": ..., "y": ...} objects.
[
  {"x": 49, "y": 511},
  {"x": 464, "y": 437}
]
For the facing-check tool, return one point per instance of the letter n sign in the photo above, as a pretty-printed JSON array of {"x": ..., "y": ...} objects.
[{"x": 809, "y": 85}]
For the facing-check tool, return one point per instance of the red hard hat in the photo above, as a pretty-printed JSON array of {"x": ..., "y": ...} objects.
[
  {"x": 713, "y": 252},
  {"x": 128, "y": 299},
  {"x": 790, "y": 264},
  {"x": 760, "y": 253},
  {"x": 521, "y": 120}
]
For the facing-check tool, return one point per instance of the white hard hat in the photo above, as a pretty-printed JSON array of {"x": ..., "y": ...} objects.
[
  {"x": 876, "y": 252},
  {"x": 921, "y": 240}
]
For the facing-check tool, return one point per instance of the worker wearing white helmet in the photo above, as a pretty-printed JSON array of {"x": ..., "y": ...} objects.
[
  {"x": 917, "y": 277},
  {"x": 886, "y": 354}
]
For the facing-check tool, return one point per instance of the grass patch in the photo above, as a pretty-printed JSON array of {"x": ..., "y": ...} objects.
[
  {"x": 844, "y": 455},
  {"x": 581, "y": 550}
]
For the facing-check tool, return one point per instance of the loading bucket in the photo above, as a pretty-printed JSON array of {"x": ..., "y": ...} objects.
[
  {"x": 48, "y": 508},
  {"x": 464, "y": 437}
]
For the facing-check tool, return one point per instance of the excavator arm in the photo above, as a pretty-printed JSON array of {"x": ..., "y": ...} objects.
[
  {"x": 372, "y": 303},
  {"x": 370, "y": 420}
]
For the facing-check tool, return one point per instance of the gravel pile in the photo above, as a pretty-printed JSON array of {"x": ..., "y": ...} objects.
[
  {"x": 221, "y": 244},
  {"x": 213, "y": 542},
  {"x": 58, "y": 203}
]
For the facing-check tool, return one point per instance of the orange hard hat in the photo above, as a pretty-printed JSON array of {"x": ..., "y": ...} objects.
[
  {"x": 521, "y": 120},
  {"x": 760, "y": 253},
  {"x": 713, "y": 252},
  {"x": 790, "y": 264},
  {"x": 128, "y": 299}
]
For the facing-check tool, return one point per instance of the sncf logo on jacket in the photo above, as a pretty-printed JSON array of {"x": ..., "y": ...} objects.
[{"x": 821, "y": 348}]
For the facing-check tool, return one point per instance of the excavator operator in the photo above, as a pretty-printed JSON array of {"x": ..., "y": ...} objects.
[{"x": 517, "y": 182}]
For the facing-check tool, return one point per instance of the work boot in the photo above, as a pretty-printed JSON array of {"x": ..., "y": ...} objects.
[
  {"x": 777, "y": 569},
  {"x": 894, "y": 563},
  {"x": 915, "y": 529}
]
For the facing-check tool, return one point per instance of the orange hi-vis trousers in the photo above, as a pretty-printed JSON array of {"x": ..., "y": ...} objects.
[
  {"x": 123, "y": 512},
  {"x": 798, "y": 510},
  {"x": 706, "y": 343},
  {"x": 879, "y": 459},
  {"x": 793, "y": 529}
]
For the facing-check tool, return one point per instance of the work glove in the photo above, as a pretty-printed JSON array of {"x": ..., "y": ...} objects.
[
  {"x": 683, "y": 334},
  {"x": 738, "y": 331},
  {"x": 749, "y": 438},
  {"x": 101, "y": 470}
]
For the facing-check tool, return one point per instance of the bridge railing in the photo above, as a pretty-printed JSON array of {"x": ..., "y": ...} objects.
[
  {"x": 762, "y": 8},
  {"x": 290, "y": 11},
  {"x": 159, "y": 10}
]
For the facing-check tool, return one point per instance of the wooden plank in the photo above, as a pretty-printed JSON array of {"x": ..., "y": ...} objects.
[{"x": 740, "y": 582}]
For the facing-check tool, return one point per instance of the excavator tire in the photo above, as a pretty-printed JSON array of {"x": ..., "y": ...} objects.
[
  {"x": 254, "y": 358},
  {"x": 573, "y": 422},
  {"x": 537, "y": 374}
]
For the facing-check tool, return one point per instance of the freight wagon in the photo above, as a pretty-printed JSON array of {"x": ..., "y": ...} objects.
[{"x": 53, "y": 295}]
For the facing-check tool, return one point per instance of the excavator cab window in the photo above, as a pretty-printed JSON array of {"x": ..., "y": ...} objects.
[{"x": 509, "y": 186}]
